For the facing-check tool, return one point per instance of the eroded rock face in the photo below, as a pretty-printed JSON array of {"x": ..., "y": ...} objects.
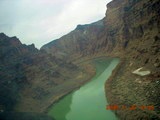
[
  {"x": 134, "y": 25},
  {"x": 13, "y": 58},
  {"x": 131, "y": 23},
  {"x": 30, "y": 79},
  {"x": 85, "y": 40},
  {"x": 130, "y": 26}
]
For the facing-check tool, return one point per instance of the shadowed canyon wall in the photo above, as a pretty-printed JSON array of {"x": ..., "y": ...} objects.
[{"x": 31, "y": 80}]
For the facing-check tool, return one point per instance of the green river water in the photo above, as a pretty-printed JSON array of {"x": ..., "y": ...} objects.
[{"x": 88, "y": 102}]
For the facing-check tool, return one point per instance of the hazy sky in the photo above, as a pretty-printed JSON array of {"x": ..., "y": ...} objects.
[{"x": 41, "y": 21}]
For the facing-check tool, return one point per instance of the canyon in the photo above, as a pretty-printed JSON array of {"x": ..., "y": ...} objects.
[{"x": 32, "y": 79}]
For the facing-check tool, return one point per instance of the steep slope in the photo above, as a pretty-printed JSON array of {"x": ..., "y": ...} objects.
[
  {"x": 14, "y": 57},
  {"x": 31, "y": 80},
  {"x": 135, "y": 26},
  {"x": 85, "y": 40}
]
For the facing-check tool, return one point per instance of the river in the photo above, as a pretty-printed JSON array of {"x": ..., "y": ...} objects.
[{"x": 88, "y": 102}]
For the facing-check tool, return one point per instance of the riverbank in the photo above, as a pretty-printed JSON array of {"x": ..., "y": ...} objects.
[
  {"x": 89, "y": 69},
  {"x": 108, "y": 83},
  {"x": 133, "y": 94},
  {"x": 52, "y": 91},
  {"x": 90, "y": 98}
]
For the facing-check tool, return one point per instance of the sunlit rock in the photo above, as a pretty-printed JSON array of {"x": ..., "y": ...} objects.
[{"x": 141, "y": 71}]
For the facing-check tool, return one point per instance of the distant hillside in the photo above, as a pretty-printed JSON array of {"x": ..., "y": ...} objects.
[{"x": 85, "y": 40}]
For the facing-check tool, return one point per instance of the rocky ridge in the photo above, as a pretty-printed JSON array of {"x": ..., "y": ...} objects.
[
  {"x": 31, "y": 80},
  {"x": 79, "y": 42}
]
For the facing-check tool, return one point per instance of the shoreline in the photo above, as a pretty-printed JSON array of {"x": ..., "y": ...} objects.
[
  {"x": 108, "y": 95},
  {"x": 65, "y": 94},
  {"x": 92, "y": 74},
  {"x": 83, "y": 83},
  {"x": 100, "y": 67},
  {"x": 121, "y": 87}
]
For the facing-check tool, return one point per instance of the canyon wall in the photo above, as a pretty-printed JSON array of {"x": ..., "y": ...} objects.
[
  {"x": 85, "y": 40},
  {"x": 131, "y": 31},
  {"x": 134, "y": 26},
  {"x": 31, "y": 80},
  {"x": 130, "y": 26}
]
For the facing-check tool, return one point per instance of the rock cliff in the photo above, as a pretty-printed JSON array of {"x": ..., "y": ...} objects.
[
  {"x": 31, "y": 80},
  {"x": 85, "y": 40},
  {"x": 134, "y": 25}
]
